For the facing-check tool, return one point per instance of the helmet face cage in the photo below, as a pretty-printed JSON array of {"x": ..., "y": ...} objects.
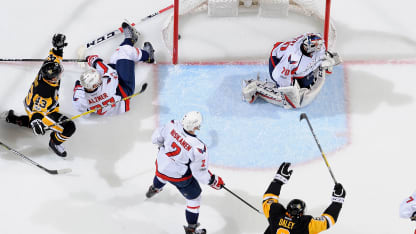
[
  {"x": 192, "y": 120},
  {"x": 313, "y": 42},
  {"x": 50, "y": 70},
  {"x": 90, "y": 79},
  {"x": 296, "y": 208}
]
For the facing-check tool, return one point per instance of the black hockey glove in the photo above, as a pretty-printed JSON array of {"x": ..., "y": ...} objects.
[
  {"x": 283, "y": 174},
  {"x": 38, "y": 127},
  {"x": 338, "y": 194},
  {"x": 58, "y": 41}
]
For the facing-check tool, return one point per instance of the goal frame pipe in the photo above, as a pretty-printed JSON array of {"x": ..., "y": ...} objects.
[
  {"x": 175, "y": 32},
  {"x": 327, "y": 18}
]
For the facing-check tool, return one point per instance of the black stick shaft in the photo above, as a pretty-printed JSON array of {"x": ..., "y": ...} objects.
[
  {"x": 235, "y": 195},
  {"x": 38, "y": 60},
  {"x": 304, "y": 116}
]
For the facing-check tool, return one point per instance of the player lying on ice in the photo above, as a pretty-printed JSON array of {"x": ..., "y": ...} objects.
[
  {"x": 297, "y": 69},
  {"x": 103, "y": 85}
]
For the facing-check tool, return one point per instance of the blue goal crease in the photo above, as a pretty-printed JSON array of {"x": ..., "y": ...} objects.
[{"x": 258, "y": 135}]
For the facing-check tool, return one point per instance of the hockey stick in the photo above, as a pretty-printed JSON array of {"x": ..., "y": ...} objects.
[
  {"x": 143, "y": 88},
  {"x": 113, "y": 33},
  {"x": 235, "y": 195},
  {"x": 53, "y": 172},
  {"x": 304, "y": 116},
  {"x": 39, "y": 60}
]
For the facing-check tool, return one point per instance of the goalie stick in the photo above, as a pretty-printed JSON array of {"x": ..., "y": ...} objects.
[
  {"x": 304, "y": 116},
  {"x": 52, "y": 172},
  {"x": 113, "y": 33},
  {"x": 142, "y": 89}
]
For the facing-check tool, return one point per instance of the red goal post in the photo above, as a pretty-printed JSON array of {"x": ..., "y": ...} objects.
[{"x": 318, "y": 9}]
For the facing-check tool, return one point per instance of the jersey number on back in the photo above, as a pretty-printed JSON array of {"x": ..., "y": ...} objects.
[
  {"x": 176, "y": 151},
  {"x": 105, "y": 103},
  {"x": 282, "y": 231}
]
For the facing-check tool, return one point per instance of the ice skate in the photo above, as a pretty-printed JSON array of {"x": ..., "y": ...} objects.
[
  {"x": 57, "y": 149},
  {"x": 192, "y": 229},
  {"x": 130, "y": 32},
  {"x": 8, "y": 116},
  {"x": 152, "y": 191},
  {"x": 149, "y": 49}
]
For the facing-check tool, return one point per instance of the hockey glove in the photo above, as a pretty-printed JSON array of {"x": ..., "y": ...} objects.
[
  {"x": 92, "y": 60},
  {"x": 38, "y": 127},
  {"x": 58, "y": 41},
  {"x": 216, "y": 182},
  {"x": 283, "y": 174},
  {"x": 338, "y": 194}
]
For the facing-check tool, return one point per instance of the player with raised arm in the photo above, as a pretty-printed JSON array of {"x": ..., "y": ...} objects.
[
  {"x": 103, "y": 85},
  {"x": 182, "y": 160},
  {"x": 297, "y": 69},
  {"x": 407, "y": 209},
  {"x": 292, "y": 220},
  {"x": 41, "y": 103}
]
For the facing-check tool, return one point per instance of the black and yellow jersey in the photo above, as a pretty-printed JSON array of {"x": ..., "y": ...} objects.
[
  {"x": 280, "y": 222},
  {"x": 43, "y": 95}
]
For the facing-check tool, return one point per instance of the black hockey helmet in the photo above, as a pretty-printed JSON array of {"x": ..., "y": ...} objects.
[
  {"x": 296, "y": 208},
  {"x": 50, "y": 70}
]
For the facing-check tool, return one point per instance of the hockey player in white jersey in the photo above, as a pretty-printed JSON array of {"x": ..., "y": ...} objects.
[
  {"x": 407, "y": 208},
  {"x": 297, "y": 70},
  {"x": 103, "y": 85},
  {"x": 182, "y": 160}
]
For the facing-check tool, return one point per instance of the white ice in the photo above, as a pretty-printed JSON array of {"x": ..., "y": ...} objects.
[{"x": 113, "y": 160}]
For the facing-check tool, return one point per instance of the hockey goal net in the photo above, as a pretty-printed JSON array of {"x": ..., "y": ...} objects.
[{"x": 317, "y": 9}]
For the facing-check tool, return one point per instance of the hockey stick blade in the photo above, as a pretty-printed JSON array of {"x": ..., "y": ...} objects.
[{"x": 52, "y": 172}]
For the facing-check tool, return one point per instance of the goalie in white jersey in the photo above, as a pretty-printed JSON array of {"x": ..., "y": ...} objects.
[
  {"x": 297, "y": 69},
  {"x": 182, "y": 160},
  {"x": 407, "y": 208},
  {"x": 103, "y": 86}
]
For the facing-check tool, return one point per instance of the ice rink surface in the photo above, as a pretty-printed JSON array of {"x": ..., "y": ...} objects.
[{"x": 364, "y": 118}]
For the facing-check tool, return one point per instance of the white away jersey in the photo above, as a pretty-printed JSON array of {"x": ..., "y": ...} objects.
[
  {"x": 408, "y": 206},
  {"x": 181, "y": 154},
  {"x": 105, "y": 95},
  {"x": 292, "y": 62}
]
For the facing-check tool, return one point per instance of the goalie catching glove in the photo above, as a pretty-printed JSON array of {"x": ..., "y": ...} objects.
[
  {"x": 216, "y": 182},
  {"x": 283, "y": 173}
]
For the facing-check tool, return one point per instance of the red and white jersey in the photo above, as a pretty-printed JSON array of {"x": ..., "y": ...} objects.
[
  {"x": 104, "y": 96},
  {"x": 293, "y": 64},
  {"x": 181, "y": 154},
  {"x": 408, "y": 206}
]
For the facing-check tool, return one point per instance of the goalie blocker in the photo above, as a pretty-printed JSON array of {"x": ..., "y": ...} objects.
[{"x": 294, "y": 96}]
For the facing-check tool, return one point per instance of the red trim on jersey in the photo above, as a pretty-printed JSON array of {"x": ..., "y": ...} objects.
[
  {"x": 124, "y": 95},
  {"x": 193, "y": 207},
  {"x": 138, "y": 50},
  {"x": 290, "y": 102},
  {"x": 271, "y": 57},
  {"x": 103, "y": 66},
  {"x": 165, "y": 177}
]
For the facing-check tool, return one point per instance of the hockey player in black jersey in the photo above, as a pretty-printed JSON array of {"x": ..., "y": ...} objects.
[
  {"x": 292, "y": 220},
  {"x": 41, "y": 103}
]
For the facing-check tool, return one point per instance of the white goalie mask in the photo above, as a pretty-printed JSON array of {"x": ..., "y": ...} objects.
[
  {"x": 313, "y": 42},
  {"x": 90, "y": 79},
  {"x": 191, "y": 120}
]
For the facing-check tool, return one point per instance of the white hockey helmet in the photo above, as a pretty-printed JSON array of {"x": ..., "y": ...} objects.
[
  {"x": 313, "y": 42},
  {"x": 90, "y": 79},
  {"x": 191, "y": 120}
]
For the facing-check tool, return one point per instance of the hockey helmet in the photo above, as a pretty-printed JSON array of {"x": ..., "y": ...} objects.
[
  {"x": 90, "y": 79},
  {"x": 313, "y": 42},
  {"x": 191, "y": 120},
  {"x": 296, "y": 208},
  {"x": 50, "y": 70}
]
